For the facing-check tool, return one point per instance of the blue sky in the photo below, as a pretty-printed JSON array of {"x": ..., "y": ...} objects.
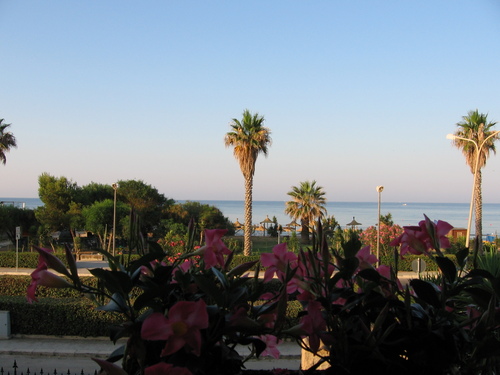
[{"x": 356, "y": 94}]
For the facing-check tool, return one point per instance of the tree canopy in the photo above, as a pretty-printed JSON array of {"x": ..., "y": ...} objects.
[{"x": 307, "y": 204}]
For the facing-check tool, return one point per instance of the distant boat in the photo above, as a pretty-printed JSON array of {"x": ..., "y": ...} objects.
[{"x": 404, "y": 204}]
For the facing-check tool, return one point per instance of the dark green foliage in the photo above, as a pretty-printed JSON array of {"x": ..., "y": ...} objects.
[
  {"x": 12, "y": 217},
  {"x": 404, "y": 265},
  {"x": 60, "y": 317},
  {"x": 25, "y": 260},
  {"x": 16, "y": 285}
]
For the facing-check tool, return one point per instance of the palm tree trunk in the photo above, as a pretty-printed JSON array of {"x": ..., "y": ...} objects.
[
  {"x": 478, "y": 203},
  {"x": 247, "y": 248},
  {"x": 304, "y": 233}
]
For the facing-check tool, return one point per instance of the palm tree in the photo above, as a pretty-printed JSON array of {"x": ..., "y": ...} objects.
[
  {"x": 307, "y": 204},
  {"x": 7, "y": 141},
  {"x": 477, "y": 129},
  {"x": 249, "y": 138}
]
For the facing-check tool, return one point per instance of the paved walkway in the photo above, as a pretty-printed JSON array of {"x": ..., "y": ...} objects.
[
  {"x": 84, "y": 266},
  {"x": 74, "y": 354}
]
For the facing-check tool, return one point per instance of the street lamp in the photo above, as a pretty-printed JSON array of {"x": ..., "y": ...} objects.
[
  {"x": 115, "y": 187},
  {"x": 478, "y": 152},
  {"x": 379, "y": 191}
]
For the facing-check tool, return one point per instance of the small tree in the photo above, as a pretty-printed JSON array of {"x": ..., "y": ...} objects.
[{"x": 387, "y": 233}]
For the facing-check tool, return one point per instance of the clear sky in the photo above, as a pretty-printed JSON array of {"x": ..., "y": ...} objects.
[{"x": 356, "y": 94}]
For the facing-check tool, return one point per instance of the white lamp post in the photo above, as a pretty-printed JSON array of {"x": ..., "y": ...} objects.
[
  {"x": 115, "y": 187},
  {"x": 379, "y": 191},
  {"x": 476, "y": 164}
]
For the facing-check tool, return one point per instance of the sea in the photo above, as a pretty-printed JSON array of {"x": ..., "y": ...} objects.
[{"x": 365, "y": 213}]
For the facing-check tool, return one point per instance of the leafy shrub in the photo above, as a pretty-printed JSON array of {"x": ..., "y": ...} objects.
[
  {"x": 57, "y": 317},
  {"x": 25, "y": 259}
]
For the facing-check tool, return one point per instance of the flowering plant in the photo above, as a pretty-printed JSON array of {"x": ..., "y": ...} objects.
[
  {"x": 185, "y": 315},
  {"x": 387, "y": 233},
  {"x": 367, "y": 322},
  {"x": 189, "y": 315}
]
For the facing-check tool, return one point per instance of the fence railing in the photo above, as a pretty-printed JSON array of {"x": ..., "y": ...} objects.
[{"x": 15, "y": 370}]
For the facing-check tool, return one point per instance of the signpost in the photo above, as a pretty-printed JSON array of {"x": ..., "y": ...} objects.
[
  {"x": 18, "y": 236},
  {"x": 418, "y": 265}
]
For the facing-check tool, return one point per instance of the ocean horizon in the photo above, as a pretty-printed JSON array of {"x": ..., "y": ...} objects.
[{"x": 403, "y": 213}]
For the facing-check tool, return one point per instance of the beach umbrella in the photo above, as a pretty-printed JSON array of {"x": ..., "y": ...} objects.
[
  {"x": 353, "y": 223},
  {"x": 260, "y": 228},
  {"x": 265, "y": 222},
  {"x": 237, "y": 224}
]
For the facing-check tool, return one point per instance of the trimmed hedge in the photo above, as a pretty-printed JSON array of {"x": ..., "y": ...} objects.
[
  {"x": 25, "y": 259},
  {"x": 405, "y": 264},
  {"x": 30, "y": 260},
  {"x": 16, "y": 285},
  {"x": 59, "y": 317}
]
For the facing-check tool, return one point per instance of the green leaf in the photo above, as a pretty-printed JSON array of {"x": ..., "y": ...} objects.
[
  {"x": 116, "y": 304},
  {"x": 242, "y": 268},
  {"x": 155, "y": 248},
  {"x": 348, "y": 267},
  {"x": 480, "y": 273},
  {"x": 72, "y": 265},
  {"x": 352, "y": 246},
  {"x": 447, "y": 268},
  {"x": 426, "y": 292},
  {"x": 117, "y": 354},
  {"x": 208, "y": 286},
  {"x": 370, "y": 274},
  {"x": 461, "y": 256},
  {"x": 221, "y": 277},
  {"x": 480, "y": 296},
  {"x": 114, "y": 281}
]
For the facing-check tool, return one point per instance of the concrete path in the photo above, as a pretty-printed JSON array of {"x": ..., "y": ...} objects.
[
  {"x": 74, "y": 354},
  {"x": 84, "y": 266}
]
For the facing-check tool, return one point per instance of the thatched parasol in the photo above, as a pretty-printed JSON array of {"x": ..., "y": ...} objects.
[{"x": 353, "y": 223}]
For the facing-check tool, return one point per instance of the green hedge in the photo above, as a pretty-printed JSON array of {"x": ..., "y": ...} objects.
[
  {"x": 25, "y": 260},
  {"x": 30, "y": 260},
  {"x": 405, "y": 264},
  {"x": 57, "y": 317},
  {"x": 16, "y": 285}
]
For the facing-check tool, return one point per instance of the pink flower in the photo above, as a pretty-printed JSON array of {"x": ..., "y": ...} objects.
[
  {"x": 424, "y": 237},
  {"x": 163, "y": 368},
  {"x": 240, "y": 319},
  {"x": 313, "y": 324},
  {"x": 214, "y": 249},
  {"x": 271, "y": 346},
  {"x": 46, "y": 256},
  {"x": 40, "y": 276},
  {"x": 366, "y": 258},
  {"x": 277, "y": 261},
  {"x": 180, "y": 329}
]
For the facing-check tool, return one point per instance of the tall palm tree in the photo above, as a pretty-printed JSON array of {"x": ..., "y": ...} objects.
[
  {"x": 307, "y": 204},
  {"x": 475, "y": 126},
  {"x": 249, "y": 138},
  {"x": 7, "y": 141}
]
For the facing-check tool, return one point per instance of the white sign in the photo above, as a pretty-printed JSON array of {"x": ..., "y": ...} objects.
[{"x": 18, "y": 233}]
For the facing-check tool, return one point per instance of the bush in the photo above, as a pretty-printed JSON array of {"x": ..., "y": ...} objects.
[
  {"x": 25, "y": 259},
  {"x": 404, "y": 265},
  {"x": 57, "y": 317},
  {"x": 16, "y": 285}
]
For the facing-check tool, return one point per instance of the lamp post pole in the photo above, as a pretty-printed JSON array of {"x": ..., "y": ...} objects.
[
  {"x": 379, "y": 191},
  {"x": 115, "y": 187},
  {"x": 476, "y": 165}
]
